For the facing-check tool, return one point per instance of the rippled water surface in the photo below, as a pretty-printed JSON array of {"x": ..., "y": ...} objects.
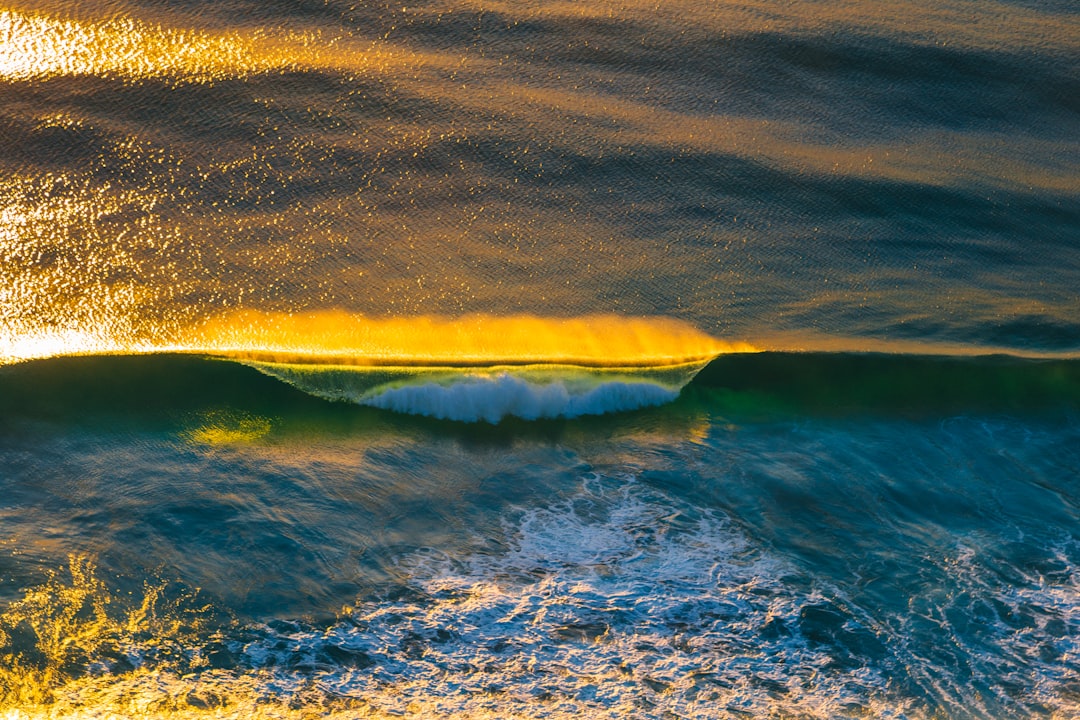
[{"x": 539, "y": 359}]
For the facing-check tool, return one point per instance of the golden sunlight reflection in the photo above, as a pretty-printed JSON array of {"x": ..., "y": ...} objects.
[
  {"x": 75, "y": 617},
  {"x": 40, "y": 46},
  {"x": 228, "y": 428},
  {"x": 343, "y": 338},
  {"x": 68, "y": 284},
  {"x": 35, "y": 345}
]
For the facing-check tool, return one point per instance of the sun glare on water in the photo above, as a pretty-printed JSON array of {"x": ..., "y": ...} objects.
[
  {"x": 336, "y": 337},
  {"x": 41, "y": 46}
]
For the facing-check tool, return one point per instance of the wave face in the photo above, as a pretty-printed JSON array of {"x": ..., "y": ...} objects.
[
  {"x": 844, "y": 384},
  {"x": 494, "y": 398},
  {"x": 753, "y": 387},
  {"x": 526, "y": 392}
]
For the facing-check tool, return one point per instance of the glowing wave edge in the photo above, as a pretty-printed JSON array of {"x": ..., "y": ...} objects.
[{"x": 470, "y": 369}]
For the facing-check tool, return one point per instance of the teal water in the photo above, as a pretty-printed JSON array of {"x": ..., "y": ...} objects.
[
  {"x": 830, "y": 535},
  {"x": 362, "y": 360}
]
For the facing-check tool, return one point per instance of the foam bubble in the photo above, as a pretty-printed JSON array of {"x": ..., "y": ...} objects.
[{"x": 1010, "y": 619}]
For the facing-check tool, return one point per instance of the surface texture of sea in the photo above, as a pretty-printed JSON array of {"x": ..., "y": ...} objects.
[{"x": 540, "y": 359}]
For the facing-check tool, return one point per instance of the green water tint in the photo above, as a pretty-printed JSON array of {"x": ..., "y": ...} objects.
[
  {"x": 815, "y": 384},
  {"x": 155, "y": 391}
]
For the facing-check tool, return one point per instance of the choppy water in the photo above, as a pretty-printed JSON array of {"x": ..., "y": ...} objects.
[{"x": 371, "y": 360}]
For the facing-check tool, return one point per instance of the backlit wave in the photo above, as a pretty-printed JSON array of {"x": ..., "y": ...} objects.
[
  {"x": 337, "y": 337},
  {"x": 529, "y": 392},
  {"x": 475, "y": 368}
]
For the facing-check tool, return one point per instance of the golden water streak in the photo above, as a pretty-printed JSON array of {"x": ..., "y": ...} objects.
[
  {"x": 39, "y": 46},
  {"x": 337, "y": 337}
]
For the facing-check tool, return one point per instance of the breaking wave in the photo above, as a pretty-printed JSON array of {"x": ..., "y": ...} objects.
[
  {"x": 491, "y": 398},
  {"x": 735, "y": 385},
  {"x": 489, "y": 394}
]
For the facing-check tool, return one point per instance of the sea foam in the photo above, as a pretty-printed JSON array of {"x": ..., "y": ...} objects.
[{"x": 492, "y": 398}]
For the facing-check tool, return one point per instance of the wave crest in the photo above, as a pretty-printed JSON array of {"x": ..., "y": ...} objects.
[{"x": 530, "y": 392}]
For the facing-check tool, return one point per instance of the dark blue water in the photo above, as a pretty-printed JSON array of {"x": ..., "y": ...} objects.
[{"x": 361, "y": 360}]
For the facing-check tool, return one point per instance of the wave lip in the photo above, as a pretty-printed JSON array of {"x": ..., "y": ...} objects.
[
  {"x": 341, "y": 338},
  {"x": 471, "y": 368},
  {"x": 474, "y": 368}
]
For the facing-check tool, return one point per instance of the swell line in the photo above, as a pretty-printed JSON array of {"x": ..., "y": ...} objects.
[{"x": 153, "y": 391}]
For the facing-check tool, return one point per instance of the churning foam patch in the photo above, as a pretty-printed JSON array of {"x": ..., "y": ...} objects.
[{"x": 619, "y": 600}]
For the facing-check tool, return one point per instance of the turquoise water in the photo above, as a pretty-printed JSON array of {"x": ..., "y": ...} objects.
[
  {"x": 536, "y": 360},
  {"x": 830, "y": 535}
]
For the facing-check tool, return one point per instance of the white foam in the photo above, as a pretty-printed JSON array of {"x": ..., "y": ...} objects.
[
  {"x": 493, "y": 397},
  {"x": 622, "y": 600}
]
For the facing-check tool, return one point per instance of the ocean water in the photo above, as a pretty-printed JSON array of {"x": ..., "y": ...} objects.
[{"x": 540, "y": 359}]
